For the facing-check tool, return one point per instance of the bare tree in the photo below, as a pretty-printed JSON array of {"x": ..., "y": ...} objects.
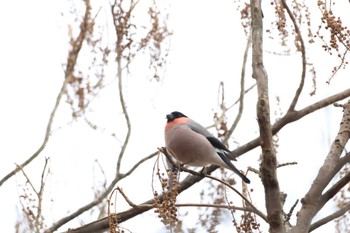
[{"x": 132, "y": 37}]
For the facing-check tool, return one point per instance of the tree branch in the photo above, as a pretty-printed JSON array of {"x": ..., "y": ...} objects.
[
  {"x": 138, "y": 164},
  {"x": 81, "y": 210},
  {"x": 290, "y": 117},
  {"x": 343, "y": 160},
  {"x": 102, "y": 224},
  {"x": 71, "y": 61},
  {"x": 312, "y": 202},
  {"x": 246, "y": 201},
  {"x": 39, "y": 194},
  {"x": 242, "y": 92},
  {"x": 332, "y": 191},
  {"x": 303, "y": 56},
  {"x": 121, "y": 21},
  {"x": 268, "y": 163},
  {"x": 121, "y": 24},
  {"x": 330, "y": 217},
  {"x": 229, "y": 207}
]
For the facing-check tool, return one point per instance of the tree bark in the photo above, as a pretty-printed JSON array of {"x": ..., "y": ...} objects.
[{"x": 268, "y": 164}]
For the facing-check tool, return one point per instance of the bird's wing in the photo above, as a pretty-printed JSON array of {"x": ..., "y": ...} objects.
[
  {"x": 232, "y": 167},
  {"x": 213, "y": 140},
  {"x": 198, "y": 128},
  {"x": 217, "y": 143}
]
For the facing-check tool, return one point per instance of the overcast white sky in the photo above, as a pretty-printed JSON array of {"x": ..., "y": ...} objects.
[{"x": 207, "y": 48}]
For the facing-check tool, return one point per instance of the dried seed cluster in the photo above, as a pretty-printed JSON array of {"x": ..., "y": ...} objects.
[
  {"x": 165, "y": 205},
  {"x": 338, "y": 41},
  {"x": 338, "y": 32},
  {"x": 248, "y": 224}
]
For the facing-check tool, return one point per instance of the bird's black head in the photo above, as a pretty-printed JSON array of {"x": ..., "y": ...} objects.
[{"x": 172, "y": 116}]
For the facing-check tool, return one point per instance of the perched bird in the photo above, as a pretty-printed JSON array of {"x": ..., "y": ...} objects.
[{"x": 192, "y": 144}]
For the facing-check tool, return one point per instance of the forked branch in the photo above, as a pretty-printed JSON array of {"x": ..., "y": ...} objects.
[{"x": 314, "y": 200}]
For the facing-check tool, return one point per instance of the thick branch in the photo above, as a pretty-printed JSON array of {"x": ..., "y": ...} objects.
[
  {"x": 190, "y": 180},
  {"x": 182, "y": 168},
  {"x": 330, "y": 217},
  {"x": 290, "y": 117},
  {"x": 101, "y": 225},
  {"x": 81, "y": 210},
  {"x": 312, "y": 202},
  {"x": 332, "y": 191},
  {"x": 268, "y": 163}
]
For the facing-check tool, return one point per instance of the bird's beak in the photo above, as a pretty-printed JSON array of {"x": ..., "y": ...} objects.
[{"x": 170, "y": 117}]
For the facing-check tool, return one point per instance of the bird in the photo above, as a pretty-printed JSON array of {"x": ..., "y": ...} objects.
[{"x": 192, "y": 144}]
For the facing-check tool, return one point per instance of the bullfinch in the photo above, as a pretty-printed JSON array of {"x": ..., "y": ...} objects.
[{"x": 192, "y": 144}]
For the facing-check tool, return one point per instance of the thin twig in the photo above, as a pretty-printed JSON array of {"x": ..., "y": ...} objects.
[
  {"x": 46, "y": 138},
  {"x": 71, "y": 61},
  {"x": 119, "y": 29},
  {"x": 341, "y": 65},
  {"x": 138, "y": 164},
  {"x": 242, "y": 92},
  {"x": 27, "y": 178},
  {"x": 126, "y": 115},
  {"x": 289, "y": 215},
  {"x": 41, "y": 191},
  {"x": 229, "y": 207},
  {"x": 303, "y": 57},
  {"x": 126, "y": 198},
  {"x": 36, "y": 219},
  {"x": 119, "y": 51},
  {"x": 286, "y": 164},
  {"x": 112, "y": 217},
  {"x": 245, "y": 92},
  {"x": 227, "y": 108},
  {"x": 98, "y": 200}
]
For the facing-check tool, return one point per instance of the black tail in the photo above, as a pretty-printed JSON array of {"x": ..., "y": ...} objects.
[{"x": 233, "y": 168}]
